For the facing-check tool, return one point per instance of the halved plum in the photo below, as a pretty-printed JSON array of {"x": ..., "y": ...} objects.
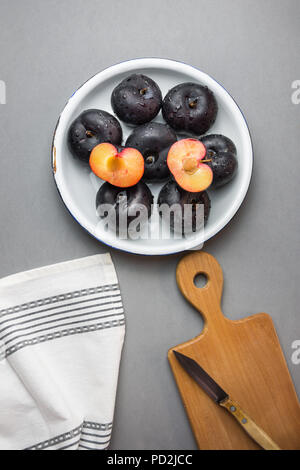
[
  {"x": 187, "y": 164},
  {"x": 122, "y": 167}
]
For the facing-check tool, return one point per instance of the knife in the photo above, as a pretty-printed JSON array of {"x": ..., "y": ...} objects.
[{"x": 222, "y": 398}]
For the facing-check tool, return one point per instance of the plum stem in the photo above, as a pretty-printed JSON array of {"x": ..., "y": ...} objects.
[
  {"x": 193, "y": 104},
  {"x": 143, "y": 91},
  {"x": 150, "y": 159},
  {"x": 190, "y": 164},
  {"x": 89, "y": 134}
]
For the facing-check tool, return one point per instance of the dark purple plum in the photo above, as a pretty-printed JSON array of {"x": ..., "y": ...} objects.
[
  {"x": 153, "y": 140},
  {"x": 218, "y": 143},
  {"x": 90, "y": 128},
  {"x": 190, "y": 108},
  {"x": 222, "y": 152},
  {"x": 137, "y": 99},
  {"x": 121, "y": 200},
  {"x": 171, "y": 193}
]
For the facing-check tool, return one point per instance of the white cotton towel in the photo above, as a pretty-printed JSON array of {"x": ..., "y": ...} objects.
[{"x": 61, "y": 336}]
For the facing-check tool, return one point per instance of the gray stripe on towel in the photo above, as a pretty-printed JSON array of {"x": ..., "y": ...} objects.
[
  {"x": 36, "y": 312},
  {"x": 69, "y": 445},
  {"x": 60, "y": 325},
  {"x": 58, "y": 298},
  {"x": 68, "y": 317},
  {"x": 57, "y": 440},
  {"x": 86, "y": 323},
  {"x": 61, "y": 334}
]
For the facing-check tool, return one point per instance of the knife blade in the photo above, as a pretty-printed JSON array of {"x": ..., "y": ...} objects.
[{"x": 219, "y": 396}]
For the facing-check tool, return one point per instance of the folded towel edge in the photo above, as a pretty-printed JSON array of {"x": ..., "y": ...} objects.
[{"x": 64, "y": 266}]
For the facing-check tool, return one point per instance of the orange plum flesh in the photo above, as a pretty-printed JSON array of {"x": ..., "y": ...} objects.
[
  {"x": 185, "y": 163},
  {"x": 122, "y": 169}
]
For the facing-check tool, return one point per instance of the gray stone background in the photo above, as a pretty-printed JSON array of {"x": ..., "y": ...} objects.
[{"x": 47, "y": 49}]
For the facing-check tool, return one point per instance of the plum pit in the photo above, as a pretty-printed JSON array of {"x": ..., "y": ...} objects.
[{"x": 187, "y": 164}]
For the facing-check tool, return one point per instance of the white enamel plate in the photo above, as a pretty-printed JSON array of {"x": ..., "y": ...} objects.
[{"x": 78, "y": 186}]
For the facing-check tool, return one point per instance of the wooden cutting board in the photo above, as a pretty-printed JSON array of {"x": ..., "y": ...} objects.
[{"x": 244, "y": 357}]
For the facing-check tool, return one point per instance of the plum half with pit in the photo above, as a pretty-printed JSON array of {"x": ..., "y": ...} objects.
[
  {"x": 222, "y": 153},
  {"x": 137, "y": 99},
  {"x": 190, "y": 108},
  {"x": 90, "y": 128},
  {"x": 124, "y": 204},
  {"x": 186, "y": 222},
  {"x": 188, "y": 164},
  {"x": 153, "y": 140}
]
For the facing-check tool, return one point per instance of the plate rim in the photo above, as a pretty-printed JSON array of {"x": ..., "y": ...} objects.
[{"x": 148, "y": 61}]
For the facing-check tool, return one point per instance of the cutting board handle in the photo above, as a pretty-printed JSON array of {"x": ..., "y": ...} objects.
[{"x": 206, "y": 299}]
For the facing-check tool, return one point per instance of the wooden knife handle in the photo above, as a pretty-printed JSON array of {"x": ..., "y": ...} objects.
[{"x": 249, "y": 426}]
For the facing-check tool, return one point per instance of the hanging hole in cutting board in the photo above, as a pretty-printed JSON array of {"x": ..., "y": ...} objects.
[{"x": 200, "y": 280}]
